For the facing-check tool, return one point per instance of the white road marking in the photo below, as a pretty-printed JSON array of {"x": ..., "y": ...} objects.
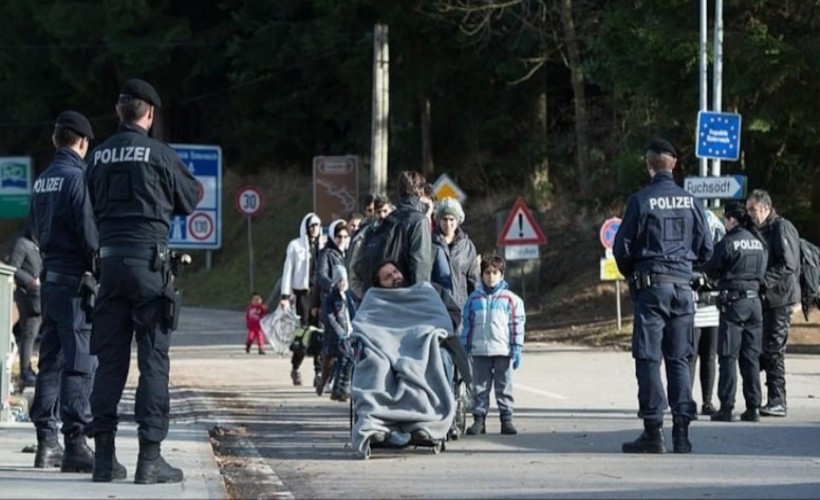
[{"x": 548, "y": 394}]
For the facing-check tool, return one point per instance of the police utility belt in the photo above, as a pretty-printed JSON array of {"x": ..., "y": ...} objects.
[
  {"x": 728, "y": 296},
  {"x": 62, "y": 279},
  {"x": 642, "y": 280}
]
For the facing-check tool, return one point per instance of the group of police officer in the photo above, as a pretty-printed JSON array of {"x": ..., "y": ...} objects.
[
  {"x": 103, "y": 232},
  {"x": 754, "y": 267}
]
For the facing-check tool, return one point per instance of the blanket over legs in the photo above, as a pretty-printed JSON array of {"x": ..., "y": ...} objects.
[{"x": 399, "y": 383}]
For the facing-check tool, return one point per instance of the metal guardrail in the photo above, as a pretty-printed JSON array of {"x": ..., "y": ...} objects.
[{"x": 6, "y": 351}]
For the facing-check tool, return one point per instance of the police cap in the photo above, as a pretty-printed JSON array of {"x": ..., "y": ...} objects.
[
  {"x": 735, "y": 210},
  {"x": 75, "y": 121},
  {"x": 661, "y": 146},
  {"x": 141, "y": 89}
]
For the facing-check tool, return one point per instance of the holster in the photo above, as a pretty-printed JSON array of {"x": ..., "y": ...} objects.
[
  {"x": 172, "y": 304},
  {"x": 88, "y": 293},
  {"x": 640, "y": 280}
]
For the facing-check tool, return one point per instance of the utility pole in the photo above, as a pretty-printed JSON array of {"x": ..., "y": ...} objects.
[
  {"x": 704, "y": 77},
  {"x": 381, "y": 111}
]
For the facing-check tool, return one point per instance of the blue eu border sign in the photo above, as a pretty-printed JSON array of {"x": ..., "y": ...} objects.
[
  {"x": 718, "y": 136},
  {"x": 202, "y": 229}
]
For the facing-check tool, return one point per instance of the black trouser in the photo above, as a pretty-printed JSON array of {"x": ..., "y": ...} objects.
[
  {"x": 66, "y": 369},
  {"x": 706, "y": 339},
  {"x": 776, "y": 323},
  {"x": 129, "y": 303},
  {"x": 303, "y": 305},
  {"x": 29, "y": 326},
  {"x": 739, "y": 339}
]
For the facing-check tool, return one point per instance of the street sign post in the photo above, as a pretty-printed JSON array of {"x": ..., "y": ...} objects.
[
  {"x": 335, "y": 186},
  {"x": 445, "y": 187},
  {"x": 718, "y": 136},
  {"x": 201, "y": 230},
  {"x": 16, "y": 179},
  {"x": 608, "y": 231},
  {"x": 727, "y": 187},
  {"x": 249, "y": 204}
]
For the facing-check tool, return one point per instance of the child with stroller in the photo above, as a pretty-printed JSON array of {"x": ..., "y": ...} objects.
[
  {"x": 493, "y": 333},
  {"x": 254, "y": 313},
  {"x": 339, "y": 308}
]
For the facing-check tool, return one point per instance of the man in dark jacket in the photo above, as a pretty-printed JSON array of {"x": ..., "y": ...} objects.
[
  {"x": 136, "y": 184},
  {"x": 416, "y": 260},
  {"x": 782, "y": 292},
  {"x": 63, "y": 225},
  {"x": 25, "y": 256}
]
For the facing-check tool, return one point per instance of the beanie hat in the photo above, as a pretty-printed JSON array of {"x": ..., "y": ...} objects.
[
  {"x": 736, "y": 211},
  {"x": 339, "y": 274},
  {"x": 450, "y": 206}
]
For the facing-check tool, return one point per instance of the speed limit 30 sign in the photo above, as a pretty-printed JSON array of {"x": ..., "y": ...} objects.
[{"x": 249, "y": 201}]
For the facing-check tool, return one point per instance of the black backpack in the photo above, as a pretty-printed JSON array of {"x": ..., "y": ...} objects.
[
  {"x": 382, "y": 241},
  {"x": 809, "y": 276}
]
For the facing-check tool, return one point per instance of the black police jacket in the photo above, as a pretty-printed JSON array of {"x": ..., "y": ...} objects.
[
  {"x": 137, "y": 183},
  {"x": 62, "y": 218},
  {"x": 739, "y": 261},
  {"x": 783, "y": 270},
  {"x": 664, "y": 231}
]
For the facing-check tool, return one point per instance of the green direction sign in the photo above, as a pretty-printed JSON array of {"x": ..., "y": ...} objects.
[{"x": 15, "y": 186}]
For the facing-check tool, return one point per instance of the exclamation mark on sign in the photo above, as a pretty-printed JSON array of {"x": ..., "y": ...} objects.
[{"x": 521, "y": 226}]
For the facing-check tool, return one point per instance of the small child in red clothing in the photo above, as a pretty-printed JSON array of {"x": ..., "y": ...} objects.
[{"x": 253, "y": 314}]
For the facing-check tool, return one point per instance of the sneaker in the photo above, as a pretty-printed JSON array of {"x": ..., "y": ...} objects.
[
  {"x": 750, "y": 415},
  {"x": 247, "y": 349},
  {"x": 262, "y": 352},
  {"x": 771, "y": 410}
]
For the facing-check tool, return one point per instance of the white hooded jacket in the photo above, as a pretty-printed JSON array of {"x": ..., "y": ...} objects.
[{"x": 296, "y": 272}]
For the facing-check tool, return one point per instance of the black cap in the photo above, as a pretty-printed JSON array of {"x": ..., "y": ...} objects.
[
  {"x": 661, "y": 146},
  {"x": 76, "y": 122},
  {"x": 141, "y": 89},
  {"x": 735, "y": 210}
]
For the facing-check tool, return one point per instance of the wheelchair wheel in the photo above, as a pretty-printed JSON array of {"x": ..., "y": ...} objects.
[{"x": 460, "y": 418}]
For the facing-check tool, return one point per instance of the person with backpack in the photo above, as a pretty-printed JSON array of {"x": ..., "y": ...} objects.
[
  {"x": 738, "y": 266},
  {"x": 414, "y": 253},
  {"x": 298, "y": 281},
  {"x": 782, "y": 292}
]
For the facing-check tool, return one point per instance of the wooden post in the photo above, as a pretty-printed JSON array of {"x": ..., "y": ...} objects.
[{"x": 381, "y": 111}]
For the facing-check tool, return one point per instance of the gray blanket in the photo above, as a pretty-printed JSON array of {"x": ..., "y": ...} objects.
[{"x": 399, "y": 383}]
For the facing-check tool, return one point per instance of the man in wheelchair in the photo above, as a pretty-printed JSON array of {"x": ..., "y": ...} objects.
[{"x": 410, "y": 359}]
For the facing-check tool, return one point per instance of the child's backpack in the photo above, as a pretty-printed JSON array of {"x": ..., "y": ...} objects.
[
  {"x": 382, "y": 241},
  {"x": 809, "y": 276}
]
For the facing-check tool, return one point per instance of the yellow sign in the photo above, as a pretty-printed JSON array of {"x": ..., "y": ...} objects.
[
  {"x": 445, "y": 187},
  {"x": 609, "y": 270}
]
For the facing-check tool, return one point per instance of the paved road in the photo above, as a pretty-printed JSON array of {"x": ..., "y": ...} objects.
[{"x": 575, "y": 407}]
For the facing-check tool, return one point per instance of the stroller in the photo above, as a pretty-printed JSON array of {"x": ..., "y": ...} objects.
[{"x": 410, "y": 376}]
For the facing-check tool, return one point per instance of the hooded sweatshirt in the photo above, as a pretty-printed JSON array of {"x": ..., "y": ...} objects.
[{"x": 296, "y": 272}]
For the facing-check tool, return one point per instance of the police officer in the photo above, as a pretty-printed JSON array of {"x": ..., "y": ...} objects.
[
  {"x": 63, "y": 224},
  {"x": 137, "y": 184},
  {"x": 663, "y": 232},
  {"x": 782, "y": 292},
  {"x": 739, "y": 265}
]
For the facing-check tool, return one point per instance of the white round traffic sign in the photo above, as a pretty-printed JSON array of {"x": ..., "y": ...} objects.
[
  {"x": 249, "y": 201},
  {"x": 200, "y": 226}
]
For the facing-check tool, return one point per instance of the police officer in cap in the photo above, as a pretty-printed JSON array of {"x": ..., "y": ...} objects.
[
  {"x": 63, "y": 224},
  {"x": 137, "y": 184},
  {"x": 663, "y": 232},
  {"x": 739, "y": 266}
]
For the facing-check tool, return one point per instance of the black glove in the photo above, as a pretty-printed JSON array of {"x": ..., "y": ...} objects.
[{"x": 88, "y": 293}]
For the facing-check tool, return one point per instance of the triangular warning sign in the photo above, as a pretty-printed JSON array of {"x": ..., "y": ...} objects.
[{"x": 521, "y": 228}]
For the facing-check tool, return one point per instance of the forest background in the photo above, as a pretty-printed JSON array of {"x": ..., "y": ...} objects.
[{"x": 551, "y": 99}]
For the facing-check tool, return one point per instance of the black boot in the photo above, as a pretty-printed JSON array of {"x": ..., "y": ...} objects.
[
  {"x": 723, "y": 415},
  {"x": 750, "y": 415},
  {"x": 152, "y": 468},
  {"x": 507, "y": 426},
  {"x": 477, "y": 427},
  {"x": 49, "y": 453},
  {"x": 650, "y": 441},
  {"x": 78, "y": 456},
  {"x": 680, "y": 435},
  {"x": 106, "y": 465}
]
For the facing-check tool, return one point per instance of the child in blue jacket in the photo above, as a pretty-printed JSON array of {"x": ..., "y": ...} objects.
[
  {"x": 339, "y": 309},
  {"x": 493, "y": 333}
]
